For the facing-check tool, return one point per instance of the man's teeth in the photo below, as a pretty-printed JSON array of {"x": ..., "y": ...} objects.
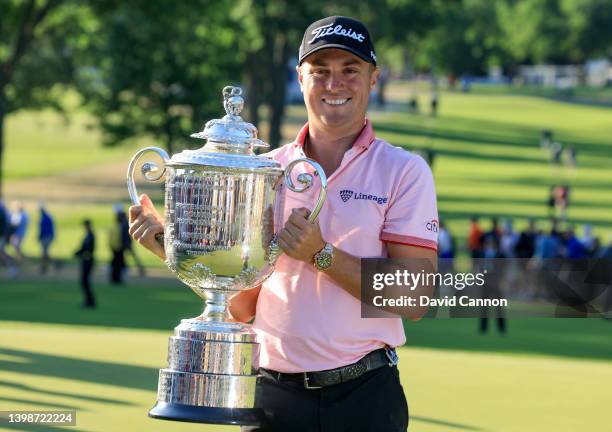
[{"x": 335, "y": 101}]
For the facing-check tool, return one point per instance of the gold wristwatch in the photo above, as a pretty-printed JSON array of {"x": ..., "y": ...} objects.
[{"x": 324, "y": 258}]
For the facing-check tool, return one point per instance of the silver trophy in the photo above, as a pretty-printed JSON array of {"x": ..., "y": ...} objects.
[{"x": 219, "y": 238}]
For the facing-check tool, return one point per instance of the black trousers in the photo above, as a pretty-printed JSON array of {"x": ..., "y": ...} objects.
[
  {"x": 86, "y": 269},
  {"x": 374, "y": 402}
]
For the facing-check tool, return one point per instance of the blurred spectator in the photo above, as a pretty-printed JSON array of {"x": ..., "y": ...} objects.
[
  {"x": 18, "y": 228},
  {"x": 493, "y": 234},
  {"x": 434, "y": 104},
  {"x": 546, "y": 139},
  {"x": 383, "y": 78},
  {"x": 571, "y": 153},
  {"x": 446, "y": 246},
  {"x": 588, "y": 240},
  {"x": 494, "y": 264},
  {"x": 574, "y": 249},
  {"x": 606, "y": 254},
  {"x": 465, "y": 84},
  {"x": 548, "y": 246},
  {"x": 117, "y": 246},
  {"x": 86, "y": 255},
  {"x": 525, "y": 245},
  {"x": 509, "y": 240},
  {"x": 46, "y": 234},
  {"x": 558, "y": 202},
  {"x": 556, "y": 151},
  {"x": 5, "y": 258},
  {"x": 475, "y": 238},
  {"x": 413, "y": 104}
]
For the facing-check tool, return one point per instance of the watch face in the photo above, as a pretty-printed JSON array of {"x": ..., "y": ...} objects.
[{"x": 324, "y": 260}]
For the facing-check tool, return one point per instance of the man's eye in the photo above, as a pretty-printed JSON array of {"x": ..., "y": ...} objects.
[{"x": 351, "y": 71}]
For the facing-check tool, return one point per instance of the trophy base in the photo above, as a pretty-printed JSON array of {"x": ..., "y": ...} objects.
[{"x": 210, "y": 415}]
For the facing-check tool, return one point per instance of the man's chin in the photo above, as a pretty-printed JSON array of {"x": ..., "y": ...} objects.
[{"x": 335, "y": 120}]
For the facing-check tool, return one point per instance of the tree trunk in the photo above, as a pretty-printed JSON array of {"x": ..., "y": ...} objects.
[
  {"x": 255, "y": 86},
  {"x": 279, "y": 88},
  {"x": 2, "y": 116}
]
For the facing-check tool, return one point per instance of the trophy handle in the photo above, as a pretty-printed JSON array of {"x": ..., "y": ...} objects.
[
  {"x": 149, "y": 170},
  {"x": 306, "y": 180}
]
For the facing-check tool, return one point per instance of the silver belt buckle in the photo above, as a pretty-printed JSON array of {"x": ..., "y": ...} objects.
[
  {"x": 392, "y": 356},
  {"x": 308, "y": 386}
]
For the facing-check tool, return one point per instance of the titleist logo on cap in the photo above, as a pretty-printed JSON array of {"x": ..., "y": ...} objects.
[{"x": 327, "y": 30}]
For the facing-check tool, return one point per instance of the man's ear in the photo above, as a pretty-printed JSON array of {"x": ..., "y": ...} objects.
[
  {"x": 374, "y": 77},
  {"x": 298, "y": 69}
]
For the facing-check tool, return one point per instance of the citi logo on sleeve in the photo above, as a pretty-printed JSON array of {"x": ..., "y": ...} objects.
[
  {"x": 320, "y": 32},
  {"x": 432, "y": 225},
  {"x": 347, "y": 194}
]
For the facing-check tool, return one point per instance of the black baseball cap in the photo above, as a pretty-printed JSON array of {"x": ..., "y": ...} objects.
[{"x": 338, "y": 32}]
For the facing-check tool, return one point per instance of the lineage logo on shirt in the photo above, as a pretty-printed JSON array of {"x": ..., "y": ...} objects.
[{"x": 346, "y": 195}]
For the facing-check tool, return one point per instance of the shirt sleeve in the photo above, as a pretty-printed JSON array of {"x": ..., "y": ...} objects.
[{"x": 412, "y": 215}]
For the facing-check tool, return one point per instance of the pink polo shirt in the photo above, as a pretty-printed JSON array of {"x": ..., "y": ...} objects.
[{"x": 379, "y": 194}]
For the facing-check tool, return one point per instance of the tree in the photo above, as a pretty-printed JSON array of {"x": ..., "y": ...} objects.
[
  {"x": 33, "y": 55},
  {"x": 544, "y": 34},
  {"x": 158, "y": 68}
]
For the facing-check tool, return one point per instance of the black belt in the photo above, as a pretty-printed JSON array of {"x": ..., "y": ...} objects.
[{"x": 316, "y": 380}]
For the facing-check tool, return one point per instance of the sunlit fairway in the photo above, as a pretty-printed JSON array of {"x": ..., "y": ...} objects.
[{"x": 544, "y": 375}]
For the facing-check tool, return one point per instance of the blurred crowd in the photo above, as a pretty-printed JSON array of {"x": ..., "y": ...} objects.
[
  {"x": 14, "y": 225},
  {"x": 534, "y": 264}
]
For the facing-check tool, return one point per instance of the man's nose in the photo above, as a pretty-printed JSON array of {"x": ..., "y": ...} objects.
[{"x": 334, "y": 81}]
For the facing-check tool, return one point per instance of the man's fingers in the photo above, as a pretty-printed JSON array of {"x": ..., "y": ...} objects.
[
  {"x": 302, "y": 211},
  {"x": 150, "y": 233},
  {"x": 138, "y": 233},
  {"x": 285, "y": 247},
  {"x": 299, "y": 217},
  {"x": 295, "y": 231},
  {"x": 137, "y": 223},
  {"x": 149, "y": 208},
  {"x": 287, "y": 237},
  {"x": 145, "y": 201},
  {"x": 134, "y": 212}
]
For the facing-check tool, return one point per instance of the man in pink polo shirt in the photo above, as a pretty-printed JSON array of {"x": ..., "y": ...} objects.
[{"x": 323, "y": 366}]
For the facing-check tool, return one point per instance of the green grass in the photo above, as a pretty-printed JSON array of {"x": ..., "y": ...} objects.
[
  {"x": 488, "y": 161},
  {"x": 543, "y": 375},
  {"x": 579, "y": 94},
  {"x": 44, "y": 143}
]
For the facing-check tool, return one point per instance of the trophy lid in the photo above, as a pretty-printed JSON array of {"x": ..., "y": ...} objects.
[{"x": 230, "y": 140}]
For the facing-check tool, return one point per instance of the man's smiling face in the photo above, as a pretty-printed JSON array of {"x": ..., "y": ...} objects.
[{"x": 336, "y": 87}]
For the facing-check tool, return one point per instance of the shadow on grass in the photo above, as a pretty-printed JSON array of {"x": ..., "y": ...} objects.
[
  {"x": 561, "y": 337},
  {"x": 37, "y": 403},
  {"x": 541, "y": 201},
  {"x": 37, "y": 427},
  {"x": 98, "y": 372},
  {"x": 157, "y": 304},
  {"x": 470, "y": 131},
  {"x": 161, "y": 305},
  {"x": 19, "y": 386},
  {"x": 445, "y": 423}
]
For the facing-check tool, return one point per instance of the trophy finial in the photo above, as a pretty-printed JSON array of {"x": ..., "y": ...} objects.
[{"x": 232, "y": 100}]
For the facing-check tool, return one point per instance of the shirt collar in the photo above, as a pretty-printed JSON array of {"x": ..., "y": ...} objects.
[{"x": 365, "y": 138}]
